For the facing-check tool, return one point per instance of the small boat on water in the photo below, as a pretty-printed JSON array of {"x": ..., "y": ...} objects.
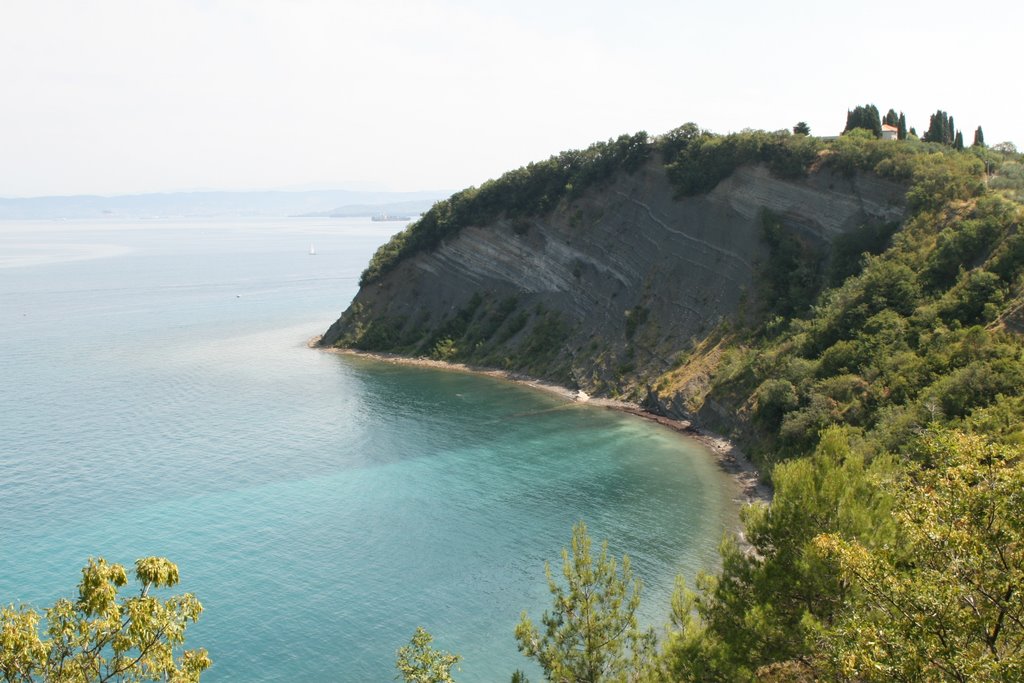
[{"x": 312, "y": 249}]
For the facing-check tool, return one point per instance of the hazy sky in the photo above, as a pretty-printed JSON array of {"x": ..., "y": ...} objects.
[{"x": 125, "y": 96}]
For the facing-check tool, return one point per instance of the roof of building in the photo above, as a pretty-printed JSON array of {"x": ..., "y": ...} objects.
[{"x": 886, "y": 126}]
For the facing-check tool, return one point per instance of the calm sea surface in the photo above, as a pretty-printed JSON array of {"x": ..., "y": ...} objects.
[{"x": 157, "y": 398}]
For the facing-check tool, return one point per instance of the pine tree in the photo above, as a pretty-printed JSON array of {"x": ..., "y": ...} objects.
[
  {"x": 801, "y": 128},
  {"x": 592, "y": 635},
  {"x": 979, "y": 138},
  {"x": 901, "y": 133},
  {"x": 419, "y": 662}
]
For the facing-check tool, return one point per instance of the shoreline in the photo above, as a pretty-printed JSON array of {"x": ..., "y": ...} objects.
[{"x": 726, "y": 454}]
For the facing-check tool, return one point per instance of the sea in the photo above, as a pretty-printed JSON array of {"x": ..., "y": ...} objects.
[{"x": 157, "y": 397}]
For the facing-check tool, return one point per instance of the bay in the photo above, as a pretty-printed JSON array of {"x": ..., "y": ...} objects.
[{"x": 158, "y": 398}]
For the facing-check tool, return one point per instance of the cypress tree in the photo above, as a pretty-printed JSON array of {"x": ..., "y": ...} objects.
[
  {"x": 872, "y": 118},
  {"x": 958, "y": 143},
  {"x": 891, "y": 119},
  {"x": 934, "y": 132},
  {"x": 864, "y": 117},
  {"x": 941, "y": 128},
  {"x": 901, "y": 133},
  {"x": 979, "y": 138}
]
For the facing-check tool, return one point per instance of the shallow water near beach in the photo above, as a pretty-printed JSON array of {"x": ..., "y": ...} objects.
[{"x": 159, "y": 399}]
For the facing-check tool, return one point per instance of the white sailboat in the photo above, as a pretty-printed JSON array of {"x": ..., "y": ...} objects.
[{"x": 312, "y": 249}]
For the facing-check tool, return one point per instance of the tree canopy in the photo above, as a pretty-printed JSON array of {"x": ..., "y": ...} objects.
[
  {"x": 591, "y": 635},
  {"x": 102, "y": 636},
  {"x": 419, "y": 662},
  {"x": 944, "y": 602}
]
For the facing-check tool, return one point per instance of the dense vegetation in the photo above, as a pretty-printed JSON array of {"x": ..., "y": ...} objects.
[
  {"x": 888, "y": 415},
  {"x": 903, "y": 339}
]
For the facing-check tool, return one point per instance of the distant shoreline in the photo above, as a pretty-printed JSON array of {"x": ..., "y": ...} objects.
[{"x": 727, "y": 455}]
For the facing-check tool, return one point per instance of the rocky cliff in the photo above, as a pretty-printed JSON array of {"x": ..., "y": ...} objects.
[{"x": 605, "y": 290}]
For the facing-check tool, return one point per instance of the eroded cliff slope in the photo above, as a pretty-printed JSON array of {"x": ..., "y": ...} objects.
[{"x": 603, "y": 290}]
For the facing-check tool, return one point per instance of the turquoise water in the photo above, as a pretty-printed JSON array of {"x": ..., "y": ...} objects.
[{"x": 158, "y": 398}]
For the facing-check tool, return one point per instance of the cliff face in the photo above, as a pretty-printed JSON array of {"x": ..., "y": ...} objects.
[{"x": 602, "y": 292}]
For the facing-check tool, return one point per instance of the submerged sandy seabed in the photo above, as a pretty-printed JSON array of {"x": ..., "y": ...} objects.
[{"x": 727, "y": 454}]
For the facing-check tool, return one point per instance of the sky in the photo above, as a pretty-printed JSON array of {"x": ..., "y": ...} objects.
[{"x": 128, "y": 96}]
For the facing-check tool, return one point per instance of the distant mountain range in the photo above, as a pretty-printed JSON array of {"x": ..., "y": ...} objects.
[
  {"x": 406, "y": 208},
  {"x": 216, "y": 204}
]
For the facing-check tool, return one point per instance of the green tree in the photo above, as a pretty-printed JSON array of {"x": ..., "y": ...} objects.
[
  {"x": 419, "y": 662},
  {"x": 901, "y": 127},
  {"x": 866, "y": 117},
  {"x": 776, "y": 593},
  {"x": 592, "y": 635},
  {"x": 102, "y": 637},
  {"x": 940, "y": 128},
  {"x": 891, "y": 118},
  {"x": 947, "y": 605},
  {"x": 958, "y": 141},
  {"x": 979, "y": 138},
  {"x": 801, "y": 128},
  {"x": 773, "y": 399}
]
